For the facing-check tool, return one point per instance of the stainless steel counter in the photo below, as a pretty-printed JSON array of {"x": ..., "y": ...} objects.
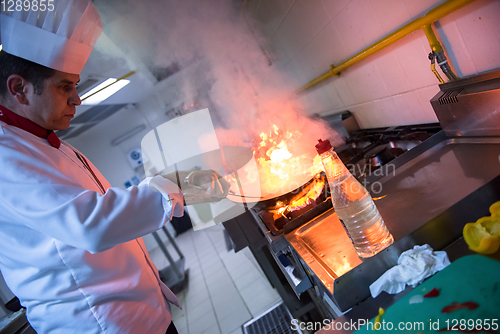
[
  {"x": 436, "y": 179},
  {"x": 420, "y": 187}
]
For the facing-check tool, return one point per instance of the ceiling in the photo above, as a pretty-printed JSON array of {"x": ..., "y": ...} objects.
[
  {"x": 122, "y": 47},
  {"x": 156, "y": 40}
]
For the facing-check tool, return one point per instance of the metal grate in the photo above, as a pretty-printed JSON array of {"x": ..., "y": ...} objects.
[
  {"x": 276, "y": 320},
  {"x": 449, "y": 96}
]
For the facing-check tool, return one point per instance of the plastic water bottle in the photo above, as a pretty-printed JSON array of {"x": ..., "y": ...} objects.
[{"x": 354, "y": 205}]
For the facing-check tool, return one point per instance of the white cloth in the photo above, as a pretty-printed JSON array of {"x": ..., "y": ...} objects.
[
  {"x": 413, "y": 267},
  {"x": 74, "y": 257}
]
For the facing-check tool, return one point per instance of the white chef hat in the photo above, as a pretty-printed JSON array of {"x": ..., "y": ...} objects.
[{"x": 60, "y": 37}]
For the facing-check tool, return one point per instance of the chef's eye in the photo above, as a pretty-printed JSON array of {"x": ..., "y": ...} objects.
[{"x": 66, "y": 88}]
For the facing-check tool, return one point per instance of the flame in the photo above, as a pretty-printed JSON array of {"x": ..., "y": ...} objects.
[
  {"x": 309, "y": 197},
  {"x": 281, "y": 168},
  {"x": 317, "y": 165},
  {"x": 303, "y": 199},
  {"x": 277, "y": 162},
  {"x": 280, "y": 211}
]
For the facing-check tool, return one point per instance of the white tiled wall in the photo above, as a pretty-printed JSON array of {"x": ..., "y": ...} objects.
[{"x": 392, "y": 87}]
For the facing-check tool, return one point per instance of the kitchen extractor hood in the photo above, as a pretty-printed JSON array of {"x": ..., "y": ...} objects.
[{"x": 470, "y": 106}]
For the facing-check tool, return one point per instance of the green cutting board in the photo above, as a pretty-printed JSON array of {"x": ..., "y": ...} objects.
[{"x": 471, "y": 278}]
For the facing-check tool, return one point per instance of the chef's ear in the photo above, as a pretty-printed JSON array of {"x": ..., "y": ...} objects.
[{"x": 17, "y": 87}]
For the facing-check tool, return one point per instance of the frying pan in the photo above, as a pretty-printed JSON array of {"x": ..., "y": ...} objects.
[
  {"x": 233, "y": 160},
  {"x": 273, "y": 200}
]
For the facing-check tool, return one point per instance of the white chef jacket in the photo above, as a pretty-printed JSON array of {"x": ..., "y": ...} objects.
[{"x": 73, "y": 256}]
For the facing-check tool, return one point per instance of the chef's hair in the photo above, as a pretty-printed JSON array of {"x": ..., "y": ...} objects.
[{"x": 32, "y": 72}]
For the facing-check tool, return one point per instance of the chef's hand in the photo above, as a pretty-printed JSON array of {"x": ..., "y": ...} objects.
[{"x": 207, "y": 183}]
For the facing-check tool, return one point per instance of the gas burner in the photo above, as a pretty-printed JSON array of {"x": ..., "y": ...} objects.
[
  {"x": 416, "y": 132},
  {"x": 367, "y": 150},
  {"x": 311, "y": 201},
  {"x": 349, "y": 155},
  {"x": 379, "y": 156}
]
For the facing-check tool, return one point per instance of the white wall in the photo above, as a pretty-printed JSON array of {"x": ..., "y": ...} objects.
[{"x": 392, "y": 87}]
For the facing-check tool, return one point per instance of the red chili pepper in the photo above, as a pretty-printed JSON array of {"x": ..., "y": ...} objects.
[
  {"x": 455, "y": 306},
  {"x": 433, "y": 293}
]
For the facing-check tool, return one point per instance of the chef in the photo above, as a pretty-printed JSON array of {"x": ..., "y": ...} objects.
[{"x": 70, "y": 246}]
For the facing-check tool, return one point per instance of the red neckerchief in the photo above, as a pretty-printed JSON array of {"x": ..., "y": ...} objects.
[{"x": 14, "y": 119}]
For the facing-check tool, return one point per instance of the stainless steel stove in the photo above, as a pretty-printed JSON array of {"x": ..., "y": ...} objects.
[
  {"x": 291, "y": 241},
  {"x": 428, "y": 184}
]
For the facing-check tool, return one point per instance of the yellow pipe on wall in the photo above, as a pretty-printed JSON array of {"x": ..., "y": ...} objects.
[
  {"x": 437, "y": 50},
  {"x": 436, "y": 73},
  {"x": 431, "y": 37},
  {"x": 419, "y": 23}
]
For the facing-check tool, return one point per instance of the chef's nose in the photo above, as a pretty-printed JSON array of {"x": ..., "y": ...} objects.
[{"x": 75, "y": 98}]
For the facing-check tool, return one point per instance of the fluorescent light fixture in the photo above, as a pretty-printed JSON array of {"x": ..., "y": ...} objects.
[{"x": 113, "y": 87}]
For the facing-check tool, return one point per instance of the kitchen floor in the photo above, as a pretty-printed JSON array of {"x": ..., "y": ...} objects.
[{"x": 225, "y": 289}]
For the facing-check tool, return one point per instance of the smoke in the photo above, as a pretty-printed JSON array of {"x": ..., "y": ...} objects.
[{"x": 223, "y": 65}]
